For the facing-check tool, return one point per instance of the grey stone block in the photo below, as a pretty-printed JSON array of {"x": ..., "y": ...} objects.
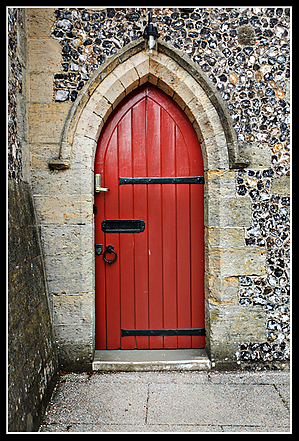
[
  {"x": 281, "y": 185},
  {"x": 229, "y": 325},
  {"x": 238, "y": 262},
  {"x": 228, "y": 212}
]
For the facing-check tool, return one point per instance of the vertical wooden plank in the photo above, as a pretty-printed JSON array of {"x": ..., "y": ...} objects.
[
  {"x": 126, "y": 240},
  {"x": 154, "y": 223},
  {"x": 197, "y": 263},
  {"x": 197, "y": 241},
  {"x": 172, "y": 243},
  {"x": 100, "y": 283},
  {"x": 100, "y": 300},
  {"x": 140, "y": 212},
  {"x": 183, "y": 241},
  {"x": 169, "y": 229},
  {"x": 112, "y": 271}
]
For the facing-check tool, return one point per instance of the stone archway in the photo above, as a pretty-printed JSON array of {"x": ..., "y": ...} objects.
[
  {"x": 225, "y": 214},
  {"x": 176, "y": 75}
]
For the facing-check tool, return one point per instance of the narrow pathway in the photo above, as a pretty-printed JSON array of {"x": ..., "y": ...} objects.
[{"x": 170, "y": 402}]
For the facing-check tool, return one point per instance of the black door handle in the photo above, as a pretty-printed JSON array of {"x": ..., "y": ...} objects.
[{"x": 110, "y": 250}]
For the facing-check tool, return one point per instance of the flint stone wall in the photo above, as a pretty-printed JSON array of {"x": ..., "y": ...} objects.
[
  {"x": 244, "y": 54},
  {"x": 32, "y": 356}
]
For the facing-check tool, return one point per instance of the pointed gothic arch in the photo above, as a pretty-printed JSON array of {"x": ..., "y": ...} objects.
[
  {"x": 180, "y": 78},
  {"x": 176, "y": 75}
]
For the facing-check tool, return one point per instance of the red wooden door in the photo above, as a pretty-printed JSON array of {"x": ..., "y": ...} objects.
[{"x": 157, "y": 280}]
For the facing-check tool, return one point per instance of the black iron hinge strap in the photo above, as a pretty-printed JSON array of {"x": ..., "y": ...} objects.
[
  {"x": 162, "y": 332},
  {"x": 161, "y": 180}
]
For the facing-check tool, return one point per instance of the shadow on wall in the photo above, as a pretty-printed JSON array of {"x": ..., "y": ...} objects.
[{"x": 32, "y": 359}]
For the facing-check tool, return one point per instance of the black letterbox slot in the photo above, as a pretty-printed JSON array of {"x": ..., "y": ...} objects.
[{"x": 123, "y": 226}]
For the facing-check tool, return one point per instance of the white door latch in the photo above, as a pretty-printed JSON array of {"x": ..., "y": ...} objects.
[{"x": 97, "y": 184}]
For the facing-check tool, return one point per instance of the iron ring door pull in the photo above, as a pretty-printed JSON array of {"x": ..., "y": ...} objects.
[{"x": 109, "y": 249}]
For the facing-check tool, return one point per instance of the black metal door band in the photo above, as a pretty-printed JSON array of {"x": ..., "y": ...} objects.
[
  {"x": 174, "y": 180},
  {"x": 162, "y": 332}
]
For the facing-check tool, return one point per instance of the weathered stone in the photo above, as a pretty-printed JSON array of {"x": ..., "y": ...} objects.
[
  {"x": 237, "y": 324},
  {"x": 75, "y": 346},
  {"x": 76, "y": 182},
  {"x": 228, "y": 326},
  {"x": 222, "y": 289},
  {"x": 281, "y": 185},
  {"x": 236, "y": 128},
  {"x": 224, "y": 238},
  {"x": 79, "y": 269},
  {"x": 90, "y": 125},
  {"x": 45, "y": 121},
  {"x": 220, "y": 183},
  {"x": 246, "y": 35},
  {"x": 228, "y": 212},
  {"x": 102, "y": 107},
  {"x": 128, "y": 77},
  {"x": 80, "y": 157},
  {"x": 41, "y": 90},
  {"x": 259, "y": 155},
  {"x": 74, "y": 239},
  {"x": 170, "y": 77},
  {"x": 47, "y": 50},
  {"x": 39, "y": 22},
  {"x": 241, "y": 261},
  {"x": 29, "y": 324},
  {"x": 64, "y": 210},
  {"x": 76, "y": 308}
]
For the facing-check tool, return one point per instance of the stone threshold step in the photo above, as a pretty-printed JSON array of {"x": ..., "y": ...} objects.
[{"x": 137, "y": 360}]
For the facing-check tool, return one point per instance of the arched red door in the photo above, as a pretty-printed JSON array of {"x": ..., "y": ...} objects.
[{"x": 152, "y": 295}]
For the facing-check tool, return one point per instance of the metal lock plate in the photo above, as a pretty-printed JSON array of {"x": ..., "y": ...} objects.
[{"x": 98, "y": 249}]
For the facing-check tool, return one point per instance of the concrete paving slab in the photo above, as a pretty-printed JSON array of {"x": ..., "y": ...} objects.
[
  {"x": 252, "y": 429},
  {"x": 284, "y": 393},
  {"x": 82, "y": 402},
  {"x": 260, "y": 377},
  {"x": 165, "y": 428},
  {"x": 169, "y": 402},
  {"x": 54, "y": 427},
  {"x": 216, "y": 404}
]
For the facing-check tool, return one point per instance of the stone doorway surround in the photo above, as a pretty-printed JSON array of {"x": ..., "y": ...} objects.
[{"x": 66, "y": 214}]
